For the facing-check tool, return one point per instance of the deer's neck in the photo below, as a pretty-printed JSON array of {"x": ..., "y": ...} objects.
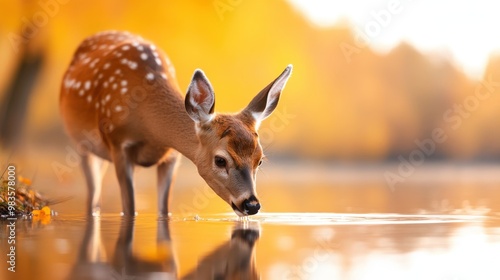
[{"x": 173, "y": 126}]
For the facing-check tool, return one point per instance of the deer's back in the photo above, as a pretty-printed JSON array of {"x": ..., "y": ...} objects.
[{"x": 111, "y": 81}]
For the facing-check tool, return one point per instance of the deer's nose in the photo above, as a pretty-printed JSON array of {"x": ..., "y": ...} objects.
[{"x": 251, "y": 205}]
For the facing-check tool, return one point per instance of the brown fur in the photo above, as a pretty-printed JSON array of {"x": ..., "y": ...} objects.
[{"x": 242, "y": 143}]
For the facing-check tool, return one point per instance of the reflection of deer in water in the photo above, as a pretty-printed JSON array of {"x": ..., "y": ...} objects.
[
  {"x": 93, "y": 264},
  {"x": 232, "y": 260},
  {"x": 126, "y": 263}
]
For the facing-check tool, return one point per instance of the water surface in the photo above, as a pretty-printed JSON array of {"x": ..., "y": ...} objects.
[{"x": 356, "y": 228}]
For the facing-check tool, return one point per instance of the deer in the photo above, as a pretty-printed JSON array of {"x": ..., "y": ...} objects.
[{"x": 120, "y": 102}]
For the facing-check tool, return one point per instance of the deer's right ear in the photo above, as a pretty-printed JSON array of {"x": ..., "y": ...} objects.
[{"x": 200, "y": 98}]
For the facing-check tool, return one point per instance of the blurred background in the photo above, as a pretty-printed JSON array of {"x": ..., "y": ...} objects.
[
  {"x": 381, "y": 83},
  {"x": 369, "y": 80}
]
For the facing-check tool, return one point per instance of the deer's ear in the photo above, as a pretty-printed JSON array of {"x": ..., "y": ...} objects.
[
  {"x": 200, "y": 98},
  {"x": 264, "y": 103}
]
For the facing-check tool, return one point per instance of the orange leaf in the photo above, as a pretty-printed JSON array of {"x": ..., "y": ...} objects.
[
  {"x": 25, "y": 181},
  {"x": 46, "y": 210},
  {"x": 45, "y": 220}
]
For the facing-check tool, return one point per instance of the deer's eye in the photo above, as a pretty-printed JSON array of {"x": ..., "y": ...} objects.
[
  {"x": 260, "y": 163},
  {"x": 220, "y": 161}
]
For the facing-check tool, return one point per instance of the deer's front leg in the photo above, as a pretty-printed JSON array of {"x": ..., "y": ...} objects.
[
  {"x": 166, "y": 173},
  {"x": 124, "y": 172}
]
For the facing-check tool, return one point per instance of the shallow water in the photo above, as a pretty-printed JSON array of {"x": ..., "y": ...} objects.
[
  {"x": 269, "y": 246},
  {"x": 448, "y": 230}
]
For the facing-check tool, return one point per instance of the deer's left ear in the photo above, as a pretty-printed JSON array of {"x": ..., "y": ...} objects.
[
  {"x": 264, "y": 103},
  {"x": 200, "y": 98}
]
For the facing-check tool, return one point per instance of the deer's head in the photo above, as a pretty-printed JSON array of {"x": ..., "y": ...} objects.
[{"x": 229, "y": 153}]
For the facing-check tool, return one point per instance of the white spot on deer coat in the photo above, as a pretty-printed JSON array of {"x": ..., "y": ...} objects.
[
  {"x": 68, "y": 83},
  {"x": 93, "y": 63},
  {"x": 150, "y": 76},
  {"x": 132, "y": 65}
]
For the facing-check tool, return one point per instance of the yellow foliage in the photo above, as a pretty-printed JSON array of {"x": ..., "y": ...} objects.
[{"x": 359, "y": 104}]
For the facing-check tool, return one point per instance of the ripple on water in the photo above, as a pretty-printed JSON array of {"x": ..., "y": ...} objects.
[{"x": 335, "y": 218}]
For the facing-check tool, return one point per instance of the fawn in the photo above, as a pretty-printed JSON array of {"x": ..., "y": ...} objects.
[{"x": 124, "y": 89}]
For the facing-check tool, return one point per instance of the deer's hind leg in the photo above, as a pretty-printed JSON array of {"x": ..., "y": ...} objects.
[{"x": 94, "y": 169}]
